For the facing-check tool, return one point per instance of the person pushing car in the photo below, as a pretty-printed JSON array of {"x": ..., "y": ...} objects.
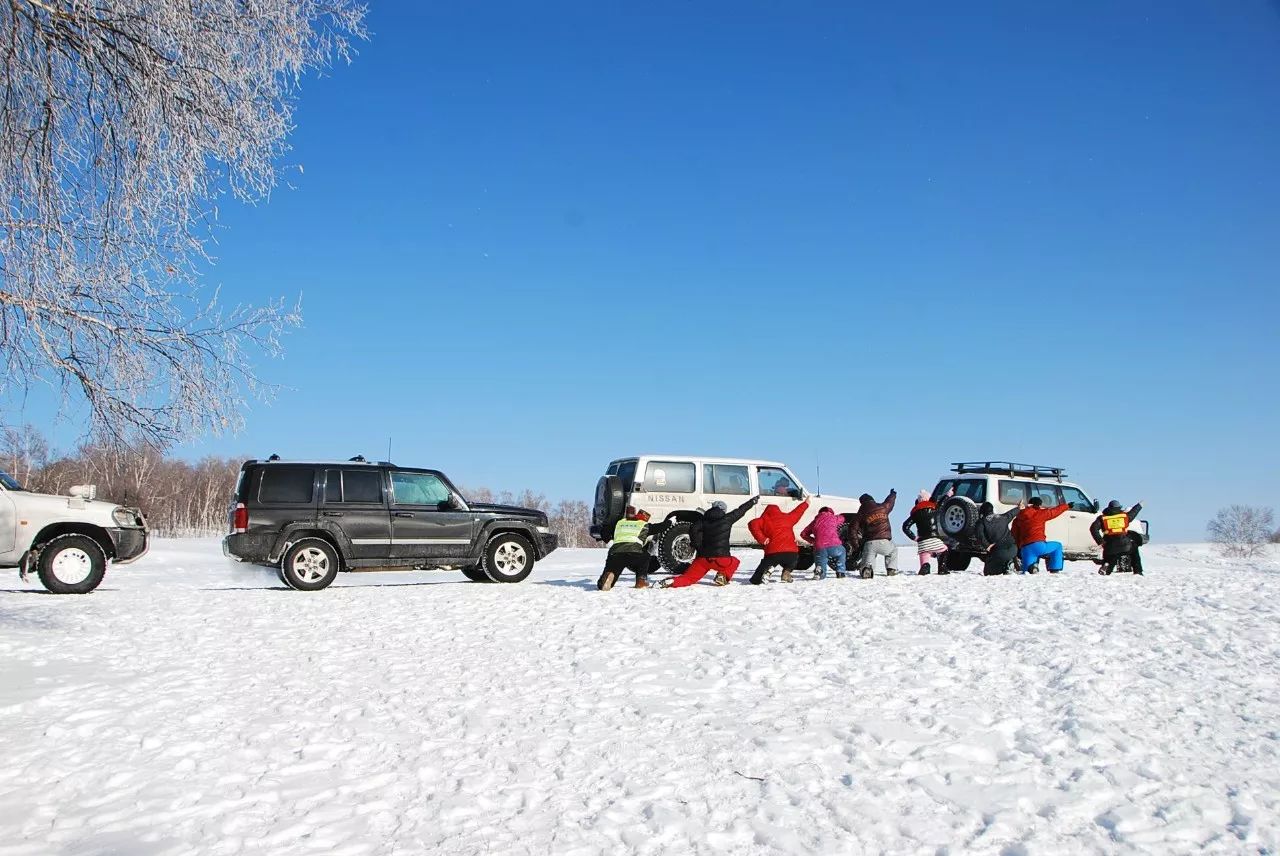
[
  {"x": 710, "y": 537},
  {"x": 1033, "y": 545},
  {"x": 775, "y": 529},
  {"x": 1111, "y": 531},
  {"x": 627, "y": 550}
]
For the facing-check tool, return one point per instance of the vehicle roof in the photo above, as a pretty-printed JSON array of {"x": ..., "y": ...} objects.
[
  {"x": 306, "y": 463},
  {"x": 716, "y": 459},
  {"x": 1007, "y": 477}
]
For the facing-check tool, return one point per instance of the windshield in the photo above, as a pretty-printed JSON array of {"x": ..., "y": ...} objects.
[{"x": 9, "y": 482}]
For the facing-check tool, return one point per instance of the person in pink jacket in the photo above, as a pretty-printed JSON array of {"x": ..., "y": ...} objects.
[{"x": 823, "y": 532}]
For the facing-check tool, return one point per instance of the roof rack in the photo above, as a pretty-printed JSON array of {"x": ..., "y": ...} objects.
[{"x": 1000, "y": 468}]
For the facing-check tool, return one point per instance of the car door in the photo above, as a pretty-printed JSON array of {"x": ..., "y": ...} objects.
[
  {"x": 427, "y": 520},
  {"x": 730, "y": 484},
  {"x": 354, "y": 499},
  {"x": 1081, "y": 516}
]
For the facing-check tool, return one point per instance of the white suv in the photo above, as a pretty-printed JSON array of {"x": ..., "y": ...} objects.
[
  {"x": 67, "y": 540},
  {"x": 1004, "y": 485},
  {"x": 682, "y": 487}
]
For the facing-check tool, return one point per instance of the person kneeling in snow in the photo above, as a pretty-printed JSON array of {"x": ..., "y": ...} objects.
[
  {"x": 775, "y": 529},
  {"x": 627, "y": 550},
  {"x": 1111, "y": 531},
  {"x": 710, "y": 537},
  {"x": 922, "y": 527},
  {"x": 823, "y": 532},
  {"x": 1032, "y": 543}
]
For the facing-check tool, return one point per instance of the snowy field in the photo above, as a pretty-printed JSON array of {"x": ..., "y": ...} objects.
[{"x": 192, "y": 705}]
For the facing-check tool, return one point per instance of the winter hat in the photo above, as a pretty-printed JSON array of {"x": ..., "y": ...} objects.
[
  {"x": 826, "y": 509},
  {"x": 866, "y": 497},
  {"x": 1035, "y": 502},
  {"x": 924, "y": 496},
  {"x": 720, "y": 505},
  {"x": 1114, "y": 505},
  {"x": 986, "y": 508}
]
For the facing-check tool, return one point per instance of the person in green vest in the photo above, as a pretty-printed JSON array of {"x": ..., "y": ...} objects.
[{"x": 627, "y": 550}]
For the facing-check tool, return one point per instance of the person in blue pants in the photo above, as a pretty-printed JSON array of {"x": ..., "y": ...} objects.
[{"x": 1033, "y": 546}]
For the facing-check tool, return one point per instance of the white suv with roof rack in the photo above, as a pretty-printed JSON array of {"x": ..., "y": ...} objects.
[
  {"x": 681, "y": 487},
  {"x": 1004, "y": 485}
]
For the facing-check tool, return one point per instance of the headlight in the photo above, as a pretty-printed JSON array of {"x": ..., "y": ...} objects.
[
  {"x": 124, "y": 517},
  {"x": 544, "y": 530}
]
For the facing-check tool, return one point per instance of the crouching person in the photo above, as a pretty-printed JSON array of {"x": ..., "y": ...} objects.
[
  {"x": 1111, "y": 531},
  {"x": 776, "y": 532},
  {"x": 877, "y": 534},
  {"x": 922, "y": 527},
  {"x": 994, "y": 535},
  {"x": 627, "y": 549},
  {"x": 710, "y": 536},
  {"x": 823, "y": 532},
  {"x": 1033, "y": 545}
]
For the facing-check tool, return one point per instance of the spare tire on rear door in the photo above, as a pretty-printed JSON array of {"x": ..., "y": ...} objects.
[
  {"x": 675, "y": 548},
  {"x": 957, "y": 516},
  {"x": 609, "y": 506}
]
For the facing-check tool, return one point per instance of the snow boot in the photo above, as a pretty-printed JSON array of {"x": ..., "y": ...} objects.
[
  {"x": 721, "y": 580},
  {"x": 891, "y": 572},
  {"x": 942, "y": 571},
  {"x": 924, "y": 570},
  {"x": 786, "y": 576},
  {"x": 665, "y": 583},
  {"x": 641, "y": 582},
  {"x": 867, "y": 573},
  {"x": 606, "y": 581}
]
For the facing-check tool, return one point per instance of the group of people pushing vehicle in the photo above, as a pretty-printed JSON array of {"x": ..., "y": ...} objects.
[{"x": 1015, "y": 535}]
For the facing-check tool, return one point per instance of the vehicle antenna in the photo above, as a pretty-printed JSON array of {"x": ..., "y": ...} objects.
[
  {"x": 817, "y": 482},
  {"x": 388, "y": 448}
]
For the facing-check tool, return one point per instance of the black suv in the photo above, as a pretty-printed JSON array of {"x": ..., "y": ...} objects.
[{"x": 311, "y": 520}]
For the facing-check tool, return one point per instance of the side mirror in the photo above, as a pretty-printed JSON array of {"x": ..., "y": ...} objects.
[
  {"x": 1097, "y": 506},
  {"x": 452, "y": 503},
  {"x": 795, "y": 493}
]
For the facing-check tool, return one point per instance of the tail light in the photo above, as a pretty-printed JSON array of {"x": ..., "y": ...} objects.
[{"x": 240, "y": 519}]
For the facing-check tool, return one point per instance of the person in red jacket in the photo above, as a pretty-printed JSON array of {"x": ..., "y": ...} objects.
[
  {"x": 775, "y": 529},
  {"x": 1033, "y": 546}
]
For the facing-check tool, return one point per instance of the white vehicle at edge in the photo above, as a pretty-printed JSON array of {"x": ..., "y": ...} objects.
[
  {"x": 1004, "y": 485},
  {"x": 67, "y": 540},
  {"x": 682, "y": 487}
]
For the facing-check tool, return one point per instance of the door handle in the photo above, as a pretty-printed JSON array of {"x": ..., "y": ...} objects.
[
  {"x": 332, "y": 513},
  {"x": 404, "y": 514}
]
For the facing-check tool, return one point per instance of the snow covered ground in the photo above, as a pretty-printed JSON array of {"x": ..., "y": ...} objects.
[{"x": 194, "y": 706}]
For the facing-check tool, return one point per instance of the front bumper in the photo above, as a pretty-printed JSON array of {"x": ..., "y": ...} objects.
[
  {"x": 550, "y": 541},
  {"x": 130, "y": 544}
]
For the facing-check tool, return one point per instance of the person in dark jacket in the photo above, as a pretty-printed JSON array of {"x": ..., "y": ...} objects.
[
  {"x": 1111, "y": 531},
  {"x": 993, "y": 534},
  {"x": 710, "y": 536},
  {"x": 921, "y": 526},
  {"x": 872, "y": 522},
  {"x": 775, "y": 529},
  {"x": 627, "y": 551}
]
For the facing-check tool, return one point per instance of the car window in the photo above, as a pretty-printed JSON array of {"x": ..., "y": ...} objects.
[
  {"x": 1048, "y": 493},
  {"x": 627, "y": 474},
  {"x": 332, "y": 486},
  {"x": 670, "y": 477},
  {"x": 725, "y": 478},
  {"x": 776, "y": 482},
  {"x": 1076, "y": 498},
  {"x": 361, "y": 486},
  {"x": 975, "y": 489},
  {"x": 418, "y": 489},
  {"x": 1013, "y": 492},
  {"x": 9, "y": 482},
  {"x": 287, "y": 484}
]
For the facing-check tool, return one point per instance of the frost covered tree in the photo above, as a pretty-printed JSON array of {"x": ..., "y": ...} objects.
[
  {"x": 122, "y": 123},
  {"x": 1242, "y": 530}
]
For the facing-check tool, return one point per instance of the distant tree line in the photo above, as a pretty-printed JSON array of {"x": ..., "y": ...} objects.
[{"x": 190, "y": 498}]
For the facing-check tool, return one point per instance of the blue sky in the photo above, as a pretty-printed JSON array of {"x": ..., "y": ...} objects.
[{"x": 531, "y": 238}]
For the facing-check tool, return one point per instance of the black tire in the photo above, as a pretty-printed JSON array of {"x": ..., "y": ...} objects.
[
  {"x": 476, "y": 575},
  {"x": 284, "y": 581},
  {"x": 71, "y": 564},
  {"x": 957, "y": 516},
  {"x": 508, "y": 558},
  {"x": 957, "y": 561},
  {"x": 675, "y": 549},
  {"x": 805, "y": 560},
  {"x": 610, "y": 505},
  {"x": 309, "y": 565}
]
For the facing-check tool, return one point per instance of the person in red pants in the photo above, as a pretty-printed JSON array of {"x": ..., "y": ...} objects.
[{"x": 710, "y": 536}]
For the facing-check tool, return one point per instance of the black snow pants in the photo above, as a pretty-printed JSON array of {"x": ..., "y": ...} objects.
[
  {"x": 784, "y": 561},
  {"x": 627, "y": 560},
  {"x": 998, "y": 560}
]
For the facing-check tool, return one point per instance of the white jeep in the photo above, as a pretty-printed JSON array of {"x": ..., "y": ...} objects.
[
  {"x": 1004, "y": 485},
  {"x": 681, "y": 487},
  {"x": 67, "y": 540}
]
